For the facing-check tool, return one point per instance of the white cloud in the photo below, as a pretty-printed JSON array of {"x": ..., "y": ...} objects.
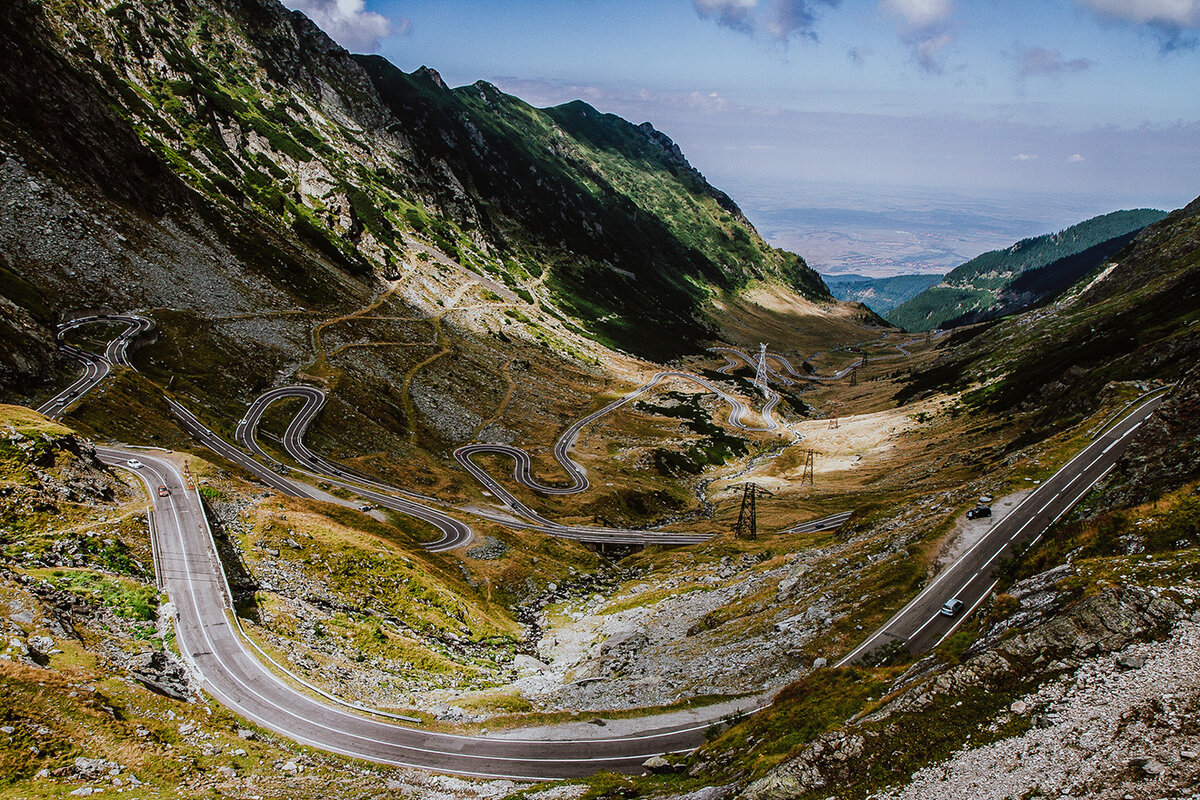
[
  {"x": 925, "y": 29},
  {"x": 777, "y": 19},
  {"x": 919, "y": 13},
  {"x": 1179, "y": 13},
  {"x": 349, "y": 23},
  {"x": 1024, "y": 157},
  {"x": 1075, "y": 158},
  {"x": 1169, "y": 20}
]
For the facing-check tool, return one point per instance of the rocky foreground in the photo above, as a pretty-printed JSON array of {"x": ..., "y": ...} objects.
[{"x": 1094, "y": 697}]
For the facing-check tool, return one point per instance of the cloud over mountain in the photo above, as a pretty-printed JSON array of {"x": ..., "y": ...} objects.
[{"x": 349, "y": 23}]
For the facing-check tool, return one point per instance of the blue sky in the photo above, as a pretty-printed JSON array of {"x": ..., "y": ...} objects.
[{"x": 1094, "y": 104}]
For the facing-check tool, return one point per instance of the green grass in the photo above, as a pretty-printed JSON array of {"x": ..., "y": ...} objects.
[
  {"x": 818, "y": 702},
  {"x": 125, "y": 597}
]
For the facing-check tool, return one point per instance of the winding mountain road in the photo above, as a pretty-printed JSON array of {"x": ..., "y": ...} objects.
[
  {"x": 96, "y": 367},
  {"x": 734, "y": 357},
  {"x": 209, "y": 635},
  {"x": 522, "y": 465},
  {"x": 455, "y": 533},
  {"x": 209, "y": 638}
]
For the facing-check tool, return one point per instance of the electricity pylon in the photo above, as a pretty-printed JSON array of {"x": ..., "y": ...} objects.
[
  {"x": 810, "y": 463},
  {"x": 760, "y": 376},
  {"x": 747, "y": 522}
]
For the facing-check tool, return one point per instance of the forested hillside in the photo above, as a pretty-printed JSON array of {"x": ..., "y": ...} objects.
[
  {"x": 881, "y": 295},
  {"x": 978, "y": 285}
]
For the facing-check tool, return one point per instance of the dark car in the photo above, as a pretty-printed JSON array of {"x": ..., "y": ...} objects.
[{"x": 978, "y": 512}]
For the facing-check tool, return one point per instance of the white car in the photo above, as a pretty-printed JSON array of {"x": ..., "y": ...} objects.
[
  {"x": 952, "y": 607},
  {"x": 133, "y": 463}
]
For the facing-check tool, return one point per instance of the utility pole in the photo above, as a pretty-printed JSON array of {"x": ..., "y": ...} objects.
[
  {"x": 833, "y": 416},
  {"x": 810, "y": 463},
  {"x": 854, "y": 376},
  {"x": 747, "y": 522},
  {"x": 760, "y": 377}
]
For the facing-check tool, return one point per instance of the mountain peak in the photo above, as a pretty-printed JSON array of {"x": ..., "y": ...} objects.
[
  {"x": 432, "y": 76},
  {"x": 667, "y": 144}
]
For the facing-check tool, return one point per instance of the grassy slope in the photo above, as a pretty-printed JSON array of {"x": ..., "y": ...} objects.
[
  {"x": 639, "y": 234},
  {"x": 973, "y": 286},
  {"x": 278, "y": 130},
  {"x": 1111, "y": 541},
  {"x": 374, "y": 599},
  {"x": 1134, "y": 323}
]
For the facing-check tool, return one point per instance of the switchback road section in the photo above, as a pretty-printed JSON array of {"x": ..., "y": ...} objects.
[{"x": 209, "y": 638}]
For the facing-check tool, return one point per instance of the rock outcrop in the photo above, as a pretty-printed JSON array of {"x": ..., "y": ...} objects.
[{"x": 1055, "y": 644}]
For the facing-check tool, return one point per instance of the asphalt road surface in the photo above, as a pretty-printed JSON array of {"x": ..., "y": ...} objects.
[
  {"x": 188, "y": 568},
  {"x": 921, "y": 626},
  {"x": 208, "y": 637},
  {"x": 455, "y": 533},
  {"x": 96, "y": 368}
]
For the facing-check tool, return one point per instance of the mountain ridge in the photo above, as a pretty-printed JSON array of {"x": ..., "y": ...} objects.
[
  {"x": 881, "y": 295},
  {"x": 974, "y": 290},
  {"x": 250, "y": 111}
]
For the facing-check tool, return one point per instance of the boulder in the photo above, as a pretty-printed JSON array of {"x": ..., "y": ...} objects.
[
  {"x": 658, "y": 765},
  {"x": 528, "y": 665}
]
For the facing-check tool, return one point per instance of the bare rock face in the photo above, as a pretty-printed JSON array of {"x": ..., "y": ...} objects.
[
  {"x": 1104, "y": 623},
  {"x": 28, "y": 355},
  {"x": 1165, "y": 452}
]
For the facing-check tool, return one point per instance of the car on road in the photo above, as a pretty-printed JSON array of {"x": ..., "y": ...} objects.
[
  {"x": 979, "y": 512},
  {"x": 133, "y": 463},
  {"x": 163, "y": 491},
  {"x": 952, "y": 607},
  {"x": 367, "y": 507}
]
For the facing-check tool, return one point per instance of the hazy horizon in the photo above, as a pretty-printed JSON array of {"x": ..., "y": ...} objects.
[{"x": 1031, "y": 114}]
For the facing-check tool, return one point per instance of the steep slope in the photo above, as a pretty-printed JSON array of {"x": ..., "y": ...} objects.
[
  {"x": 880, "y": 295},
  {"x": 637, "y": 233},
  {"x": 984, "y": 287},
  {"x": 1075, "y": 672},
  {"x": 1138, "y": 319},
  {"x": 349, "y": 161}
]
